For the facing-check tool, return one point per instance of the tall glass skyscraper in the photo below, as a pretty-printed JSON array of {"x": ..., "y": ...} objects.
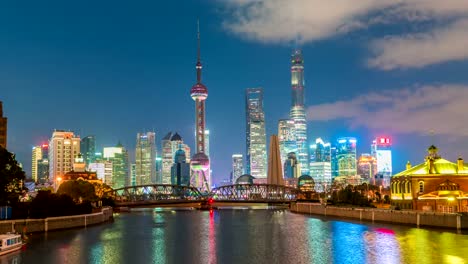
[
  {"x": 120, "y": 165},
  {"x": 381, "y": 149},
  {"x": 255, "y": 137},
  {"x": 145, "y": 158},
  {"x": 346, "y": 156},
  {"x": 171, "y": 143},
  {"x": 88, "y": 149},
  {"x": 286, "y": 138},
  {"x": 297, "y": 113},
  {"x": 320, "y": 164},
  {"x": 237, "y": 167}
]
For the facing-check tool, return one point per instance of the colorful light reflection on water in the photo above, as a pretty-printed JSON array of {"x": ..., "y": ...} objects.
[{"x": 241, "y": 236}]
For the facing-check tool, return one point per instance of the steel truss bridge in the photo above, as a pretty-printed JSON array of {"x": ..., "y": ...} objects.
[{"x": 161, "y": 194}]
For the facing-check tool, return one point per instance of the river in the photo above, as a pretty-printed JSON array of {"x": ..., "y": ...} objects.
[{"x": 241, "y": 236}]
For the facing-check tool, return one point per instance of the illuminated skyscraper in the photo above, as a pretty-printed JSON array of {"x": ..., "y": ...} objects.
[
  {"x": 133, "y": 174},
  {"x": 297, "y": 113},
  {"x": 346, "y": 156},
  {"x": 320, "y": 164},
  {"x": 145, "y": 158},
  {"x": 237, "y": 167},
  {"x": 381, "y": 149},
  {"x": 334, "y": 162},
  {"x": 40, "y": 163},
  {"x": 88, "y": 149},
  {"x": 3, "y": 127},
  {"x": 63, "y": 148},
  {"x": 287, "y": 138},
  {"x": 291, "y": 167},
  {"x": 256, "y": 138},
  {"x": 180, "y": 170},
  {"x": 367, "y": 168},
  {"x": 170, "y": 144},
  {"x": 200, "y": 163},
  {"x": 120, "y": 166},
  {"x": 36, "y": 156}
]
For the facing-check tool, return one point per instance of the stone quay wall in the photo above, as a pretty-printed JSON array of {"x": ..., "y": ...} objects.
[
  {"x": 429, "y": 219},
  {"x": 55, "y": 223}
]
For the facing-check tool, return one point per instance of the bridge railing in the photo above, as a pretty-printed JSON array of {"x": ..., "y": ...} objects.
[
  {"x": 254, "y": 192},
  {"x": 156, "y": 192}
]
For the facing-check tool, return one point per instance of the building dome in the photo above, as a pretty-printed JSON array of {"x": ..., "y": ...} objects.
[
  {"x": 199, "y": 91},
  {"x": 179, "y": 156},
  {"x": 245, "y": 179},
  {"x": 200, "y": 162}
]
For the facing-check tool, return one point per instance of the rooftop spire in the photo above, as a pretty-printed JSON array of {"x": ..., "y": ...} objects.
[{"x": 199, "y": 65}]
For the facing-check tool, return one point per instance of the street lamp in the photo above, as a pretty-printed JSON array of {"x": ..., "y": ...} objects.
[{"x": 57, "y": 184}]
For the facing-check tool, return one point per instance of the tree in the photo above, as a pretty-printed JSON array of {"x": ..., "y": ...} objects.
[
  {"x": 11, "y": 177},
  {"x": 79, "y": 190},
  {"x": 102, "y": 190}
]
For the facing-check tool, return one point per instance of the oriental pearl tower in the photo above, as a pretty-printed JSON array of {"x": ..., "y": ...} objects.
[{"x": 200, "y": 163}]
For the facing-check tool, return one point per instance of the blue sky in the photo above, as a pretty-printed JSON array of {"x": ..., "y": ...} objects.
[{"x": 115, "y": 68}]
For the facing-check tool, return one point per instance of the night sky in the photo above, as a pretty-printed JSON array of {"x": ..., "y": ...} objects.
[{"x": 115, "y": 68}]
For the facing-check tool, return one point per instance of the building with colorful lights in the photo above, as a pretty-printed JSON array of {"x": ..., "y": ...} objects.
[
  {"x": 381, "y": 150},
  {"x": 287, "y": 138},
  {"x": 237, "y": 167},
  {"x": 118, "y": 156},
  {"x": 256, "y": 160},
  {"x": 435, "y": 185},
  {"x": 367, "y": 168},
  {"x": 64, "y": 146},
  {"x": 298, "y": 113},
  {"x": 145, "y": 158},
  {"x": 346, "y": 157},
  {"x": 88, "y": 149},
  {"x": 320, "y": 168},
  {"x": 291, "y": 167},
  {"x": 3, "y": 127}
]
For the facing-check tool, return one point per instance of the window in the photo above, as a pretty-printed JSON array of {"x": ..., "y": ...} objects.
[{"x": 421, "y": 187}]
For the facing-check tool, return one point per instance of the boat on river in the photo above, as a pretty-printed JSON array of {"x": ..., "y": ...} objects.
[{"x": 10, "y": 243}]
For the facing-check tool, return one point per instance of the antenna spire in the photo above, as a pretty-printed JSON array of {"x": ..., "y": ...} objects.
[{"x": 199, "y": 65}]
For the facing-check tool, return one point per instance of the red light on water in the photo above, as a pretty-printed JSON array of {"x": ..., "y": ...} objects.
[
  {"x": 210, "y": 201},
  {"x": 385, "y": 231}
]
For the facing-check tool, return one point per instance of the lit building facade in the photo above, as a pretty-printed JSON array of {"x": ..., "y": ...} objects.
[
  {"x": 434, "y": 185},
  {"x": 237, "y": 167},
  {"x": 63, "y": 148},
  {"x": 346, "y": 156},
  {"x": 298, "y": 113},
  {"x": 256, "y": 161},
  {"x": 367, "y": 168},
  {"x": 381, "y": 149},
  {"x": 180, "y": 171},
  {"x": 3, "y": 127},
  {"x": 120, "y": 165},
  {"x": 334, "y": 161},
  {"x": 36, "y": 157},
  {"x": 88, "y": 149},
  {"x": 170, "y": 144},
  {"x": 98, "y": 167},
  {"x": 40, "y": 163},
  {"x": 320, "y": 166},
  {"x": 287, "y": 138},
  {"x": 145, "y": 158},
  {"x": 132, "y": 174},
  {"x": 292, "y": 168}
]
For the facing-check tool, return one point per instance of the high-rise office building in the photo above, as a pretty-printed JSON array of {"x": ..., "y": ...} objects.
[
  {"x": 334, "y": 161},
  {"x": 170, "y": 144},
  {"x": 292, "y": 168},
  {"x": 158, "y": 170},
  {"x": 88, "y": 149},
  {"x": 287, "y": 138},
  {"x": 321, "y": 164},
  {"x": 3, "y": 127},
  {"x": 256, "y": 137},
  {"x": 367, "y": 168},
  {"x": 381, "y": 149},
  {"x": 99, "y": 167},
  {"x": 346, "y": 156},
  {"x": 297, "y": 113},
  {"x": 43, "y": 165},
  {"x": 180, "y": 170},
  {"x": 145, "y": 158},
  {"x": 120, "y": 166},
  {"x": 63, "y": 148},
  {"x": 132, "y": 174},
  {"x": 36, "y": 157},
  {"x": 200, "y": 162},
  {"x": 237, "y": 167}
]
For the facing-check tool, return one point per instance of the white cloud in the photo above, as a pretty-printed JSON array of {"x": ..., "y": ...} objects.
[
  {"x": 418, "y": 50},
  {"x": 419, "y": 110}
]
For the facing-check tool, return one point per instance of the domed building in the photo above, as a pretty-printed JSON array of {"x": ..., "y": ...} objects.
[
  {"x": 180, "y": 170},
  {"x": 245, "y": 179},
  {"x": 434, "y": 185}
]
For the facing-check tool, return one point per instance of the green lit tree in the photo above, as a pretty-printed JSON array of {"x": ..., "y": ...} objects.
[{"x": 11, "y": 177}]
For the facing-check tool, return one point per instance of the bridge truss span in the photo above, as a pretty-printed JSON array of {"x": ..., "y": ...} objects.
[
  {"x": 160, "y": 193},
  {"x": 263, "y": 193}
]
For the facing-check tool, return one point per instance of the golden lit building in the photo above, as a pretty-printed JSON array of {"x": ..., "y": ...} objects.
[{"x": 435, "y": 185}]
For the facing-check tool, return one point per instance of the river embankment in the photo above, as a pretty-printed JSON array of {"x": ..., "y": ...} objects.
[
  {"x": 56, "y": 223},
  {"x": 417, "y": 218}
]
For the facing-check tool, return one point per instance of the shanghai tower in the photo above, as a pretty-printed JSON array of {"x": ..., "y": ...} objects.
[
  {"x": 200, "y": 163},
  {"x": 297, "y": 113}
]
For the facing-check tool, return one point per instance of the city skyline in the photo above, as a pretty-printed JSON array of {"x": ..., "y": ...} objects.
[{"x": 97, "y": 72}]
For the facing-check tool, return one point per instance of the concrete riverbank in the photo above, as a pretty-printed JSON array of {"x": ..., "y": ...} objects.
[
  {"x": 417, "y": 218},
  {"x": 55, "y": 223}
]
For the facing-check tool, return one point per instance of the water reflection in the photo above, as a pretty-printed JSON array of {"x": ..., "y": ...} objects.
[{"x": 241, "y": 236}]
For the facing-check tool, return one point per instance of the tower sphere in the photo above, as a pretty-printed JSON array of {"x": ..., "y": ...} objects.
[
  {"x": 199, "y": 92},
  {"x": 200, "y": 162}
]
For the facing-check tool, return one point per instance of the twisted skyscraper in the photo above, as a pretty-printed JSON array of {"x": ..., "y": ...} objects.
[
  {"x": 200, "y": 162},
  {"x": 297, "y": 113}
]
